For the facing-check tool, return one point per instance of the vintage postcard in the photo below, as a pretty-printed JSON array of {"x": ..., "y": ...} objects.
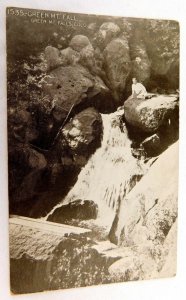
[{"x": 93, "y": 129}]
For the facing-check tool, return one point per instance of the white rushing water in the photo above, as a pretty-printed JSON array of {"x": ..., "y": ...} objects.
[{"x": 108, "y": 173}]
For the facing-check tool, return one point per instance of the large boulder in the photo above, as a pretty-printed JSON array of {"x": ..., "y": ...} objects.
[
  {"x": 150, "y": 209},
  {"x": 71, "y": 85},
  {"x": 52, "y": 55},
  {"x": 106, "y": 33},
  {"x": 40, "y": 253},
  {"x": 117, "y": 65},
  {"x": 83, "y": 132},
  {"x": 79, "y": 42},
  {"x": 87, "y": 58},
  {"x": 81, "y": 51},
  {"x": 149, "y": 115},
  {"x": 50, "y": 256}
]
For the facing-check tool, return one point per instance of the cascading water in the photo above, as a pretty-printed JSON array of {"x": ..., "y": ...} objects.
[{"x": 110, "y": 173}]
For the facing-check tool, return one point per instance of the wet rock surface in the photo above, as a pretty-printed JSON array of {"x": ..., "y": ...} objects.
[
  {"x": 152, "y": 145},
  {"x": 77, "y": 209}
]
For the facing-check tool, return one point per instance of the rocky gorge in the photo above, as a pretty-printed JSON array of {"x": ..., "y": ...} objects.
[{"x": 83, "y": 154}]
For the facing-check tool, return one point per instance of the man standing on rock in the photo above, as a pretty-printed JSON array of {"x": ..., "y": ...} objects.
[{"x": 138, "y": 90}]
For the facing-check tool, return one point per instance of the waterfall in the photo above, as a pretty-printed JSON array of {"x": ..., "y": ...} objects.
[{"x": 110, "y": 173}]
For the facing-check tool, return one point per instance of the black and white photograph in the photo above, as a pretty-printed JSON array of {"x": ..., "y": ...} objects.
[{"x": 93, "y": 130}]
